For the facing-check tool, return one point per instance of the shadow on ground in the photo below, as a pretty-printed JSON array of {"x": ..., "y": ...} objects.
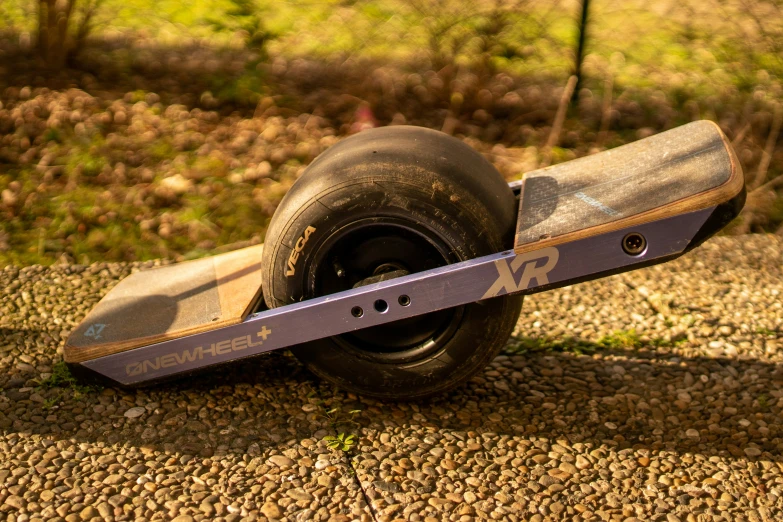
[{"x": 610, "y": 397}]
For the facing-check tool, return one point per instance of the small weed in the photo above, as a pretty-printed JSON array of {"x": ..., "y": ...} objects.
[
  {"x": 766, "y": 331},
  {"x": 763, "y": 400},
  {"x": 62, "y": 378},
  {"x": 342, "y": 442},
  {"x": 523, "y": 345},
  {"x": 340, "y": 422},
  {"x": 51, "y": 402},
  {"x": 620, "y": 339},
  {"x": 660, "y": 342},
  {"x": 337, "y": 417}
]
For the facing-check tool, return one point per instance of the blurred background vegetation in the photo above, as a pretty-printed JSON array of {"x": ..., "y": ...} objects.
[{"x": 134, "y": 129}]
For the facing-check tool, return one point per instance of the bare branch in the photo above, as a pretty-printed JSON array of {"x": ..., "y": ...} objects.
[
  {"x": 766, "y": 157},
  {"x": 557, "y": 126}
]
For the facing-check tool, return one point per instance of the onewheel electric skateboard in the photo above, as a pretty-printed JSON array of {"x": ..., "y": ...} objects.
[{"x": 396, "y": 265}]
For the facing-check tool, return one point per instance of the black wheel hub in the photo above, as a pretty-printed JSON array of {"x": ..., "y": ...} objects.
[{"x": 376, "y": 249}]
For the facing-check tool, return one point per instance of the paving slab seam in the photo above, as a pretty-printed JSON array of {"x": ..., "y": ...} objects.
[{"x": 345, "y": 455}]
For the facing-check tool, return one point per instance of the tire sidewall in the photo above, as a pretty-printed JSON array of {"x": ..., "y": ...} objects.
[
  {"x": 434, "y": 183},
  {"x": 484, "y": 323},
  {"x": 309, "y": 228}
]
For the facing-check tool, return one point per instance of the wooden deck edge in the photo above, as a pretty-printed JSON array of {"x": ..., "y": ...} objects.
[{"x": 77, "y": 355}]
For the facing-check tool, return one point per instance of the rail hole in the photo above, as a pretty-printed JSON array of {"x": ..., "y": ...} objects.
[
  {"x": 357, "y": 311},
  {"x": 404, "y": 300},
  {"x": 381, "y": 306}
]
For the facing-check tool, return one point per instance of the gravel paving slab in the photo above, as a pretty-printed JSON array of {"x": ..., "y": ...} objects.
[{"x": 652, "y": 395}]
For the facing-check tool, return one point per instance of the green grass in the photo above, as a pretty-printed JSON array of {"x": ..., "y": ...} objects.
[
  {"x": 620, "y": 339},
  {"x": 524, "y": 345},
  {"x": 92, "y": 221},
  {"x": 62, "y": 378}
]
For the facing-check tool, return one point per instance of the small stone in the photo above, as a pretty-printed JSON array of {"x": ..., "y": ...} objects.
[
  {"x": 582, "y": 462},
  {"x": 15, "y": 502},
  {"x": 725, "y": 330},
  {"x": 389, "y": 487},
  {"x": 643, "y": 461},
  {"x": 177, "y": 184},
  {"x": 610, "y": 425},
  {"x": 502, "y": 386},
  {"x": 112, "y": 480},
  {"x": 752, "y": 452},
  {"x": 280, "y": 461},
  {"x": 117, "y": 500},
  {"x": 437, "y": 502},
  {"x": 692, "y": 434},
  {"x": 104, "y": 510},
  {"x": 205, "y": 507},
  {"x": 567, "y": 467},
  {"x": 271, "y": 510},
  {"x": 88, "y": 513},
  {"x": 299, "y": 494},
  {"x": 449, "y": 464},
  {"x": 541, "y": 459},
  {"x": 454, "y": 497},
  {"x": 135, "y": 412}
]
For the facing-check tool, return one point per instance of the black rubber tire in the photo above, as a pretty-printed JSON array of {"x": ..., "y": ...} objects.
[{"x": 405, "y": 180}]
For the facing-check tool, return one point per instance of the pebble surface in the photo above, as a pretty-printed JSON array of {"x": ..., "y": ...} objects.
[{"x": 682, "y": 424}]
